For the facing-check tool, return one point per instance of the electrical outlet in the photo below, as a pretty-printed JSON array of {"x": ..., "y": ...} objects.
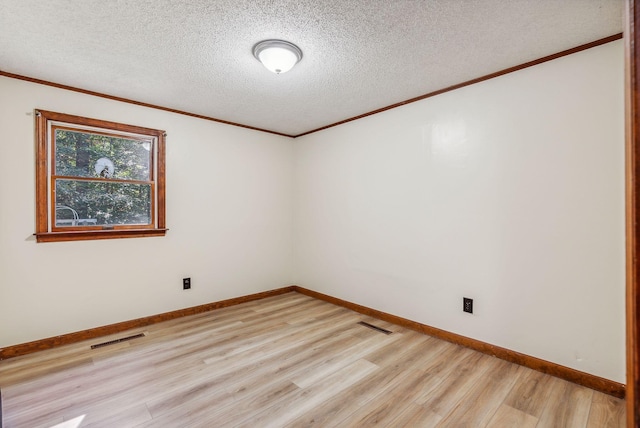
[
  {"x": 186, "y": 283},
  {"x": 467, "y": 305}
]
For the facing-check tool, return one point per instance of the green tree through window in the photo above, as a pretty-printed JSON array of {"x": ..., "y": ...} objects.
[{"x": 104, "y": 179}]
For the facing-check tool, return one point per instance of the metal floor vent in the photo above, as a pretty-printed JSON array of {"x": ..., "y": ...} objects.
[
  {"x": 375, "y": 327},
  {"x": 122, "y": 339}
]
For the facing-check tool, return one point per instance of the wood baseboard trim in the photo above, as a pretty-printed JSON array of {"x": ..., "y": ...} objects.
[
  {"x": 79, "y": 336},
  {"x": 581, "y": 378}
]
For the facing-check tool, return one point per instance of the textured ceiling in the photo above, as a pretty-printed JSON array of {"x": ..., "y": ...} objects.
[{"x": 359, "y": 55}]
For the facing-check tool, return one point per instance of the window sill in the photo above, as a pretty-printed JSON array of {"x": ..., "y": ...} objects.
[{"x": 85, "y": 235}]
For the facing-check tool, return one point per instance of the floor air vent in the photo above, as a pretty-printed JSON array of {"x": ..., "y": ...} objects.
[
  {"x": 122, "y": 339},
  {"x": 375, "y": 327}
]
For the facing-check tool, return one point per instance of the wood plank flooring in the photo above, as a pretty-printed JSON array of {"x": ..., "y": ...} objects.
[{"x": 287, "y": 361}]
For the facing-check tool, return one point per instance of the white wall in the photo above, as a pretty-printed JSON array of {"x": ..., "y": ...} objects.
[
  {"x": 509, "y": 192},
  {"x": 228, "y": 210}
]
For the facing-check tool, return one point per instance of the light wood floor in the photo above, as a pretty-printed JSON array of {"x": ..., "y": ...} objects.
[{"x": 288, "y": 361}]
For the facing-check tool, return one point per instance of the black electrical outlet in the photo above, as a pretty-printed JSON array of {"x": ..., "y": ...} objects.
[
  {"x": 467, "y": 305},
  {"x": 186, "y": 283}
]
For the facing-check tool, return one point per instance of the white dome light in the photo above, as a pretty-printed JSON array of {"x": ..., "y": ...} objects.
[{"x": 277, "y": 56}]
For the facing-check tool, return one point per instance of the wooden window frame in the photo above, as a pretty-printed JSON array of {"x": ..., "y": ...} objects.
[{"x": 46, "y": 231}]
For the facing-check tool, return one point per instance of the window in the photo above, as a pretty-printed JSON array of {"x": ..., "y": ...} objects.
[{"x": 97, "y": 179}]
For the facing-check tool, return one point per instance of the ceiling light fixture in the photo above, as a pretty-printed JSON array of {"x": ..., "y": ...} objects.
[{"x": 277, "y": 56}]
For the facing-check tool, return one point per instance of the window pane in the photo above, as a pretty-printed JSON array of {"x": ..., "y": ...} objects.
[
  {"x": 83, "y": 154},
  {"x": 99, "y": 203}
]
